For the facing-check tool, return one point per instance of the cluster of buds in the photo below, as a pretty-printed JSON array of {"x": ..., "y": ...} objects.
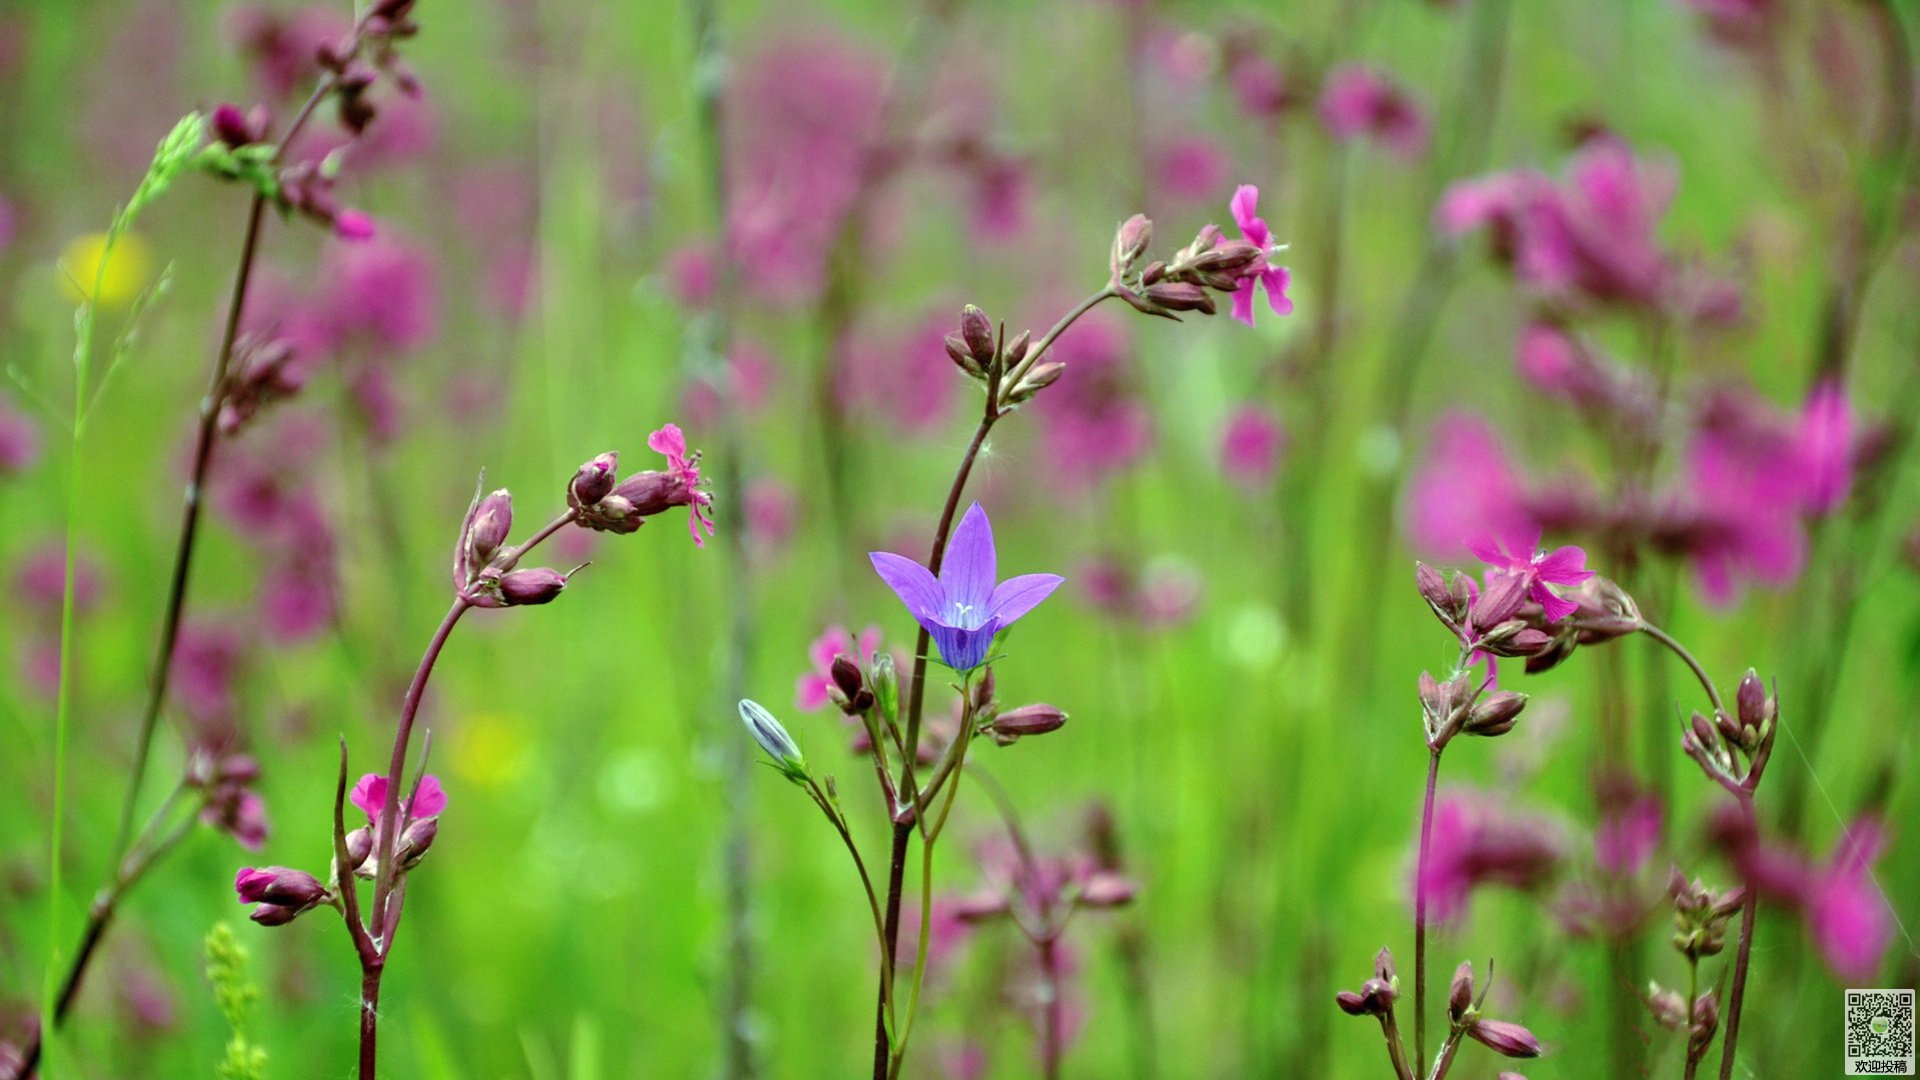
[
  {"x": 1502, "y": 620},
  {"x": 603, "y": 504},
  {"x": 1462, "y": 706},
  {"x": 485, "y": 572},
  {"x": 306, "y": 187},
  {"x": 1375, "y": 996},
  {"x": 1700, "y": 916},
  {"x": 356, "y": 63},
  {"x": 1503, "y": 1037},
  {"x": 227, "y": 799},
  {"x": 1163, "y": 287},
  {"x": 265, "y": 371},
  {"x": 982, "y": 351},
  {"x": 1700, "y": 1022},
  {"x": 1733, "y": 750},
  {"x": 279, "y": 895}
]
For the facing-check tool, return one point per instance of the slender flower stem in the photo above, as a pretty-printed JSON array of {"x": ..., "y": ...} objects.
[
  {"x": 1396, "y": 1048},
  {"x": 1420, "y": 912},
  {"x": 1737, "y": 994},
  {"x": 1052, "y": 1021},
  {"x": 1700, "y": 673},
  {"x": 1693, "y": 991}
]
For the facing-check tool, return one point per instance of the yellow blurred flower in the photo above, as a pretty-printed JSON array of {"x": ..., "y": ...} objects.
[{"x": 127, "y": 272}]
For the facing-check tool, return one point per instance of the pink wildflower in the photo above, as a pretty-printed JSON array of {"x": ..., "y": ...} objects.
[
  {"x": 1521, "y": 555},
  {"x": 686, "y": 469},
  {"x": 1272, "y": 278},
  {"x": 1250, "y": 446},
  {"x": 1357, "y": 101},
  {"x": 812, "y": 691}
]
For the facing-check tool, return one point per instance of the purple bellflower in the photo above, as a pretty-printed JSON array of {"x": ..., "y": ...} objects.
[{"x": 966, "y": 605}]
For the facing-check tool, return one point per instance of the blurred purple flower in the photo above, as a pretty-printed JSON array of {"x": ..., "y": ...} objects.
[
  {"x": 811, "y": 693},
  {"x": 1629, "y": 829},
  {"x": 1824, "y": 448},
  {"x": 1258, "y": 85},
  {"x": 40, "y": 582},
  {"x": 1517, "y": 553},
  {"x": 904, "y": 380},
  {"x": 769, "y": 506},
  {"x": 1272, "y": 278},
  {"x": 1250, "y": 446},
  {"x": 1000, "y": 188},
  {"x": 693, "y": 274},
  {"x": 1093, "y": 421},
  {"x": 1358, "y": 101},
  {"x": 207, "y": 662},
  {"x": 19, "y": 440},
  {"x": 282, "y": 46},
  {"x": 381, "y": 294},
  {"x": 966, "y": 605}
]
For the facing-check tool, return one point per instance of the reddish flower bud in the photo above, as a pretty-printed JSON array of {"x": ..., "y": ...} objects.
[
  {"x": 976, "y": 330},
  {"x": 1105, "y": 890},
  {"x": 1351, "y": 1003},
  {"x": 274, "y": 914},
  {"x": 279, "y": 886},
  {"x": 1754, "y": 705},
  {"x": 1017, "y": 348},
  {"x": 594, "y": 480},
  {"x": 1383, "y": 966},
  {"x": 962, "y": 358},
  {"x": 492, "y": 521},
  {"x": 1460, "y": 991},
  {"x": 1180, "y": 296},
  {"x": 414, "y": 842},
  {"x": 1130, "y": 242},
  {"x": 1510, "y": 1040},
  {"x": 1042, "y": 375},
  {"x": 1495, "y": 714},
  {"x": 359, "y": 847},
  {"x": 534, "y": 585},
  {"x": 239, "y": 128},
  {"x": 1026, "y": 720}
]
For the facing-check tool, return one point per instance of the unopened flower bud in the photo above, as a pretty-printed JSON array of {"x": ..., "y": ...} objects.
[
  {"x": 1042, "y": 375},
  {"x": 278, "y": 886},
  {"x": 1180, "y": 296},
  {"x": 1516, "y": 638},
  {"x": 885, "y": 684},
  {"x": 492, "y": 521},
  {"x": 1351, "y": 1003},
  {"x": 1017, "y": 348},
  {"x": 1433, "y": 589},
  {"x": 594, "y": 480},
  {"x": 1703, "y": 732},
  {"x": 1507, "y": 1039},
  {"x": 773, "y": 739},
  {"x": 274, "y": 914},
  {"x": 1026, "y": 720},
  {"x": 1495, "y": 714},
  {"x": 1754, "y": 705},
  {"x": 1230, "y": 259},
  {"x": 359, "y": 847},
  {"x": 414, "y": 842},
  {"x": 958, "y": 353},
  {"x": 238, "y": 128},
  {"x": 1130, "y": 242},
  {"x": 977, "y": 332},
  {"x": 1669, "y": 1007},
  {"x": 531, "y": 585},
  {"x": 1460, "y": 991},
  {"x": 1499, "y": 600},
  {"x": 1383, "y": 966}
]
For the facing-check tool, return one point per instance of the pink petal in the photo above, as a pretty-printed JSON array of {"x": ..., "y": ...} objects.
[
  {"x": 1243, "y": 302},
  {"x": 1556, "y": 606},
  {"x": 370, "y": 794},
  {"x": 1276, "y": 279},
  {"x": 1245, "y": 199},
  {"x": 430, "y": 800},
  {"x": 1563, "y": 566},
  {"x": 669, "y": 441}
]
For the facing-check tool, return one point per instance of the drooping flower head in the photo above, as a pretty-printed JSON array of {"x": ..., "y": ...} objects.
[
  {"x": 686, "y": 469},
  {"x": 1521, "y": 555},
  {"x": 1272, "y": 278},
  {"x": 966, "y": 605}
]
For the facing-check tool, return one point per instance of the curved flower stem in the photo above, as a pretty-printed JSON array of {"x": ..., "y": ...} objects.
[
  {"x": 1700, "y": 673},
  {"x": 1748, "y": 911},
  {"x": 1420, "y": 911}
]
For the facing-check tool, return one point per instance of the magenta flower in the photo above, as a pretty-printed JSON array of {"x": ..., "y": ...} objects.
[
  {"x": 1272, "y": 278},
  {"x": 1628, "y": 833},
  {"x": 1477, "y": 841},
  {"x": 812, "y": 691},
  {"x": 1192, "y": 167},
  {"x": 1522, "y": 556},
  {"x": 686, "y": 469},
  {"x": 370, "y": 795},
  {"x": 1466, "y": 487},
  {"x": 966, "y": 605},
  {"x": 19, "y": 440}
]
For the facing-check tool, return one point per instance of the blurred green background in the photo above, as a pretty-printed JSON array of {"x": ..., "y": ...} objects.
[{"x": 1261, "y": 756}]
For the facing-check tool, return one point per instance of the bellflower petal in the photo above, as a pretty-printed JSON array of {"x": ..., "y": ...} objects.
[
  {"x": 968, "y": 572},
  {"x": 1016, "y": 596},
  {"x": 914, "y": 584}
]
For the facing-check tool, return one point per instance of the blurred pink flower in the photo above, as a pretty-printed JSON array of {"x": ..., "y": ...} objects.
[
  {"x": 1092, "y": 422},
  {"x": 1251, "y": 445},
  {"x": 903, "y": 380},
  {"x": 806, "y": 115},
  {"x": 749, "y": 379},
  {"x": 297, "y": 599},
  {"x": 811, "y": 693},
  {"x": 1590, "y": 238},
  {"x": 41, "y": 580},
  {"x": 1823, "y": 446},
  {"x": 692, "y": 274},
  {"x": 1846, "y": 913},
  {"x": 381, "y": 294},
  {"x": 282, "y": 46},
  {"x": 19, "y": 440},
  {"x": 999, "y": 193},
  {"x": 769, "y": 508},
  {"x": 1258, "y": 85},
  {"x": 1192, "y": 167},
  {"x": 1628, "y": 832},
  {"x": 1477, "y": 841},
  {"x": 1359, "y": 101},
  {"x": 1464, "y": 488},
  {"x": 1738, "y": 498},
  {"x": 207, "y": 662},
  {"x": 1272, "y": 278}
]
